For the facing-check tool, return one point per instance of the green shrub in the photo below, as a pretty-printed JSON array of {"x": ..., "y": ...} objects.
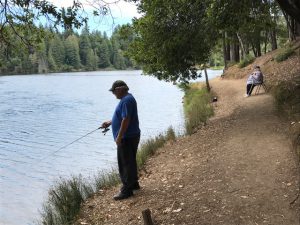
[
  {"x": 170, "y": 134},
  {"x": 218, "y": 67},
  {"x": 287, "y": 101},
  {"x": 246, "y": 61},
  {"x": 284, "y": 54},
  {"x": 149, "y": 147},
  {"x": 197, "y": 108},
  {"x": 64, "y": 201},
  {"x": 106, "y": 179},
  {"x": 287, "y": 98}
]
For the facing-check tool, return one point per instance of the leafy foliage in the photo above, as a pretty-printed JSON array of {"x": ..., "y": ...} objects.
[
  {"x": 246, "y": 61},
  {"x": 284, "y": 54},
  {"x": 64, "y": 201},
  {"x": 170, "y": 46},
  {"x": 197, "y": 108}
]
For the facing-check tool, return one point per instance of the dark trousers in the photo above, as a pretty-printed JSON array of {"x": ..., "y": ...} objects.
[
  {"x": 127, "y": 163},
  {"x": 250, "y": 88}
]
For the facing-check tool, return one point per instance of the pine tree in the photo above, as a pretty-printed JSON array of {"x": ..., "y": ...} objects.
[
  {"x": 85, "y": 47},
  {"x": 104, "y": 56},
  {"x": 57, "y": 49},
  {"x": 51, "y": 62},
  {"x": 72, "y": 52},
  {"x": 91, "y": 60}
]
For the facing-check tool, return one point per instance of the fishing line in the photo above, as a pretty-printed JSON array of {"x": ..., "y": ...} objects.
[{"x": 105, "y": 129}]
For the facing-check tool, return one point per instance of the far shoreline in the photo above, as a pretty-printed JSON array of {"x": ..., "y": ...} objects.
[
  {"x": 82, "y": 71},
  {"x": 74, "y": 71}
]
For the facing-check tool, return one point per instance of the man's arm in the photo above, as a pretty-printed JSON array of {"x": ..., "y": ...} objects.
[{"x": 124, "y": 125}]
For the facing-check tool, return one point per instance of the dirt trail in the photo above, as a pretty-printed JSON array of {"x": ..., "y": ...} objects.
[{"x": 237, "y": 170}]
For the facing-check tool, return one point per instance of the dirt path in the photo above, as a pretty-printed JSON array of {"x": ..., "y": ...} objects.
[{"x": 237, "y": 170}]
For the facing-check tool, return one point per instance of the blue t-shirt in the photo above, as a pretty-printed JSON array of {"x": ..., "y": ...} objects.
[{"x": 127, "y": 107}]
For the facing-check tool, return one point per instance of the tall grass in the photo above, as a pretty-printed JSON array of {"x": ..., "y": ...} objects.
[
  {"x": 197, "y": 108},
  {"x": 287, "y": 102},
  {"x": 284, "y": 54},
  {"x": 64, "y": 201},
  {"x": 287, "y": 98},
  {"x": 149, "y": 147},
  {"x": 67, "y": 195},
  {"x": 106, "y": 179},
  {"x": 246, "y": 61}
]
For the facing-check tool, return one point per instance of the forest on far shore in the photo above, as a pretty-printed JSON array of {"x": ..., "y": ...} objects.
[{"x": 67, "y": 51}]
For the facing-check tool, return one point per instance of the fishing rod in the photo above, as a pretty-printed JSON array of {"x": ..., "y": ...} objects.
[{"x": 105, "y": 129}]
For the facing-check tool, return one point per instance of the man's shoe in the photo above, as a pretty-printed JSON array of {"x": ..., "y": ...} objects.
[
  {"x": 122, "y": 196},
  {"x": 136, "y": 187}
]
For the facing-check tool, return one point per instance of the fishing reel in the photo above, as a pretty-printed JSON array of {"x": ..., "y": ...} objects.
[{"x": 105, "y": 129}]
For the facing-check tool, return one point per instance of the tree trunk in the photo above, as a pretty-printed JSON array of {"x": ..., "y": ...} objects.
[
  {"x": 247, "y": 51},
  {"x": 242, "y": 45},
  {"x": 266, "y": 42},
  {"x": 258, "y": 48},
  {"x": 297, "y": 29},
  {"x": 206, "y": 80},
  {"x": 237, "y": 52},
  {"x": 291, "y": 7},
  {"x": 273, "y": 39},
  {"x": 292, "y": 31},
  {"x": 290, "y": 26},
  {"x": 227, "y": 49},
  {"x": 234, "y": 52},
  {"x": 254, "y": 50},
  {"x": 224, "y": 50}
]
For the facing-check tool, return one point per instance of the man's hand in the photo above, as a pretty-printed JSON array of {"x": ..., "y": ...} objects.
[
  {"x": 123, "y": 128},
  {"x": 118, "y": 140},
  {"x": 106, "y": 124}
]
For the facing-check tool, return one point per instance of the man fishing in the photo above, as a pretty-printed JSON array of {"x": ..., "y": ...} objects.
[{"x": 126, "y": 133}]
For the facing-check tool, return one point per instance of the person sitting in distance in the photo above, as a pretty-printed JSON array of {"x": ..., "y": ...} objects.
[{"x": 254, "y": 79}]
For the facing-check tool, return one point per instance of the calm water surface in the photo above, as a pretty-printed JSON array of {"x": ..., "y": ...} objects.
[{"x": 42, "y": 113}]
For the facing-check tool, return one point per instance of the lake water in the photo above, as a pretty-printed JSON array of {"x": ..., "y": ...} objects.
[{"x": 42, "y": 113}]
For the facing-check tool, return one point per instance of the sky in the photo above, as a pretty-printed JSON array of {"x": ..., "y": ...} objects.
[{"x": 121, "y": 13}]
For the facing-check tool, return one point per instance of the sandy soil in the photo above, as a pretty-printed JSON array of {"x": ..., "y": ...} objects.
[{"x": 237, "y": 170}]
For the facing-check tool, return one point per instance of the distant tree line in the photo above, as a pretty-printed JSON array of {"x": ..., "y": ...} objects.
[{"x": 66, "y": 51}]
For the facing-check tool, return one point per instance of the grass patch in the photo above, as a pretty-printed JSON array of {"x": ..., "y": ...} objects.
[
  {"x": 284, "y": 54},
  {"x": 287, "y": 102},
  {"x": 149, "y": 147},
  {"x": 64, "y": 201},
  {"x": 106, "y": 179},
  {"x": 246, "y": 61},
  {"x": 197, "y": 108},
  {"x": 67, "y": 195},
  {"x": 216, "y": 67}
]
